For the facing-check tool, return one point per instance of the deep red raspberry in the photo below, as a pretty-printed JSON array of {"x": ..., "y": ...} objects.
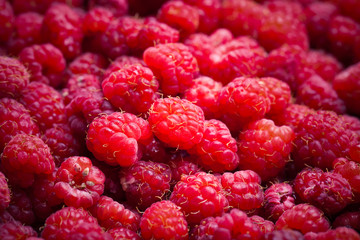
[
  {"x": 291, "y": 8},
  {"x": 40, "y": 6},
  {"x": 111, "y": 214},
  {"x": 265, "y": 148},
  {"x": 233, "y": 225},
  {"x": 164, "y": 220},
  {"x": 25, "y": 156},
  {"x": 145, "y": 183},
  {"x": 14, "y": 119},
  {"x": 132, "y": 89},
  {"x": 340, "y": 233},
  {"x": 320, "y": 138},
  {"x": 45, "y": 63},
  {"x": 349, "y": 170},
  {"x": 174, "y": 66},
  {"x": 177, "y": 122},
  {"x": 115, "y": 138},
  {"x": 21, "y": 208},
  {"x": 243, "y": 189},
  {"x": 217, "y": 151},
  {"x": 199, "y": 196},
  {"x": 265, "y": 226},
  {"x": 347, "y": 86},
  {"x": 155, "y": 151},
  {"x": 7, "y": 20},
  {"x": 348, "y": 219},
  {"x": 4, "y": 193},
  {"x": 352, "y": 123},
  {"x": 279, "y": 197},
  {"x": 182, "y": 164},
  {"x": 97, "y": 20},
  {"x": 45, "y": 104},
  {"x": 121, "y": 62},
  {"x": 284, "y": 234},
  {"x": 16, "y": 230},
  {"x": 121, "y": 233},
  {"x": 78, "y": 182},
  {"x": 63, "y": 28},
  {"x": 88, "y": 63},
  {"x": 118, "y": 7},
  {"x": 14, "y": 77}
]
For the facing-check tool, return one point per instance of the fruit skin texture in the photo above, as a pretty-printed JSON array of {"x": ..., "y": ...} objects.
[
  {"x": 115, "y": 138},
  {"x": 4, "y": 192},
  {"x": 177, "y": 122},
  {"x": 304, "y": 218},
  {"x": 163, "y": 220},
  {"x": 78, "y": 182},
  {"x": 199, "y": 196}
]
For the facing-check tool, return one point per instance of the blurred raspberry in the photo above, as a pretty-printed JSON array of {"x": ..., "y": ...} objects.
[
  {"x": 96, "y": 20},
  {"x": 88, "y": 63},
  {"x": 7, "y": 20},
  {"x": 348, "y": 219},
  {"x": 284, "y": 234},
  {"x": 4, "y": 193},
  {"x": 118, "y": 7},
  {"x": 291, "y": 8},
  {"x": 21, "y": 208},
  {"x": 41, "y": 6},
  {"x": 121, "y": 233},
  {"x": 16, "y": 230},
  {"x": 349, "y": 170},
  {"x": 340, "y": 233}
]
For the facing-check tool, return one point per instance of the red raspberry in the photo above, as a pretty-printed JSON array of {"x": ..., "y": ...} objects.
[
  {"x": 232, "y": 225},
  {"x": 265, "y": 148},
  {"x": 14, "y": 119},
  {"x": 173, "y": 65},
  {"x": 63, "y": 28},
  {"x": 284, "y": 234},
  {"x": 349, "y": 170},
  {"x": 290, "y": 8},
  {"x": 155, "y": 151},
  {"x": 243, "y": 189},
  {"x": 348, "y": 219},
  {"x": 318, "y": 94},
  {"x": 353, "y": 123},
  {"x": 279, "y": 197},
  {"x": 177, "y": 122},
  {"x": 199, "y": 196},
  {"x": 182, "y": 165},
  {"x": 45, "y": 63},
  {"x": 180, "y": 15},
  {"x": 7, "y": 19},
  {"x": 132, "y": 89},
  {"x": 13, "y": 77},
  {"x": 115, "y": 138},
  {"x": 4, "y": 193},
  {"x": 78, "y": 182},
  {"x": 45, "y": 105},
  {"x": 340, "y": 233},
  {"x": 328, "y": 191},
  {"x": 41, "y": 6},
  {"x": 118, "y": 7},
  {"x": 111, "y": 214},
  {"x": 123, "y": 234},
  {"x": 145, "y": 183},
  {"x": 320, "y": 138},
  {"x": 16, "y": 230},
  {"x": 265, "y": 226},
  {"x": 21, "y": 208},
  {"x": 121, "y": 62},
  {"x": 217, "y": 151},
  {"x": 304, "y": 218},
  {"x": 163, "y": 220},
  {"x": 88, "y": 63},
  {"x": 25, "y": 156},
  {"x": 97, "y": 20},
  {"x": 347, "y": 86}
]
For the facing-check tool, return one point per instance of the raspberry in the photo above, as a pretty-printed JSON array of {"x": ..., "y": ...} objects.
[
  {"x": 232, "y": 225},
  {"x": 304, "y": 218},
  {"x": 111, "y": 214},
  {"x": 7, "y": 19},
  {"x": 349, "y": 170},
  {"x": 132, "y": 88},
  {"x": 88, "y": 63},
  {"x": 45, "y": 63},
  {"x": 78, "y": 182},
  {"x": 15, "y": 119},
  {"x": 199, "y": 196},
  {"x": 5, "y": 217},
  {"x": 63, "y": 28},
  {"x": 177, "y": 122},
  {"x": 118, "y": 7},
  {"x": 164, "y": 220},
  {"x": 340, "y": 233},
  {"x": 41, "y": 6},
  {"x": 13, "y": 77},
  {"x": 243, "y": 189},
  {"x": 316, "y": 93},
  {"x": 96, "y": 20},
  {"x": 173, "y": 65},
  {"x": 121, "y": 62},
  {"x": 265, "y": 226},
  {"x": 45, "y": 105},
  {"x": 284, "y": 234},
  {"x": 217, "y": 149},
  {"x": 353, "y": 123},
  {"x": 290, "y": 8},
  {"x": 25, "y": 156},
  {"x": 123, "y": 234},
  {"x": 15, "y": 230},
  {"x": 348, "y": 219},
  {"x": 155, "y": 151},
  {"x": 320, "y": 138},
  {"x": 347, "y": 86},
  {"x": 179, "y": 15},
  {"x": 4, "y": 193},
  {"x": 145, "y": 183},
  {"x": 115, "y": 138},
  {"x": 182, "y": 165},
  {"x": 264, "y": 148},
  {"x": 279, "y": 197},
  {"x": 20, "y": 207}
]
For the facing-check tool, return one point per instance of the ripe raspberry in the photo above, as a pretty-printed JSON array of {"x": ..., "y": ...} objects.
[
  {"x": 132, "y": 88},
  {"x": 182, "y": 164},
  {"x": 284, "y": 234},
  {"x": 164, "y": 220},
  {"x": 4, "y": 193},
  {"x": 348, "y": 219},
  {"x": 21, "y": 208},
  {"x": 290, "y": 8},
  {"x": 232, "y": 225},
  {"x": 177, "y": 122},
  {"x": 111, "y": 214},
  {"x": 340, "y": 233},
  {"x": 78, "y": 182},
  {"x": 320, "y": 138},
  {"x": 353, "y": 123},
  {"x": 121, "y": 233},
  {"x": 145, "y": 183},
  {"x": 40, "y": 6},
  {"x": 279, "y": 197},
  {"x": 14, "y": 119},
  {"x": 45, "y": 105},
  {"x": 199, "y": 196},
  {"x": 88, "y": 63},
  {"x": 265, "y": 226},
  {"x": 97, "y": 20},
  {"x": 155, "y": 151},
  {"x": 349, "y": 170},
  {"x": 118, "y": 7},
  {"x": 25, "y": 156},
  {"x": 120, "y": 62},
  {"x": 243, "y": 190},
  {"x": 265, "y": 148},
  {"x": 318, "y": 94},
  {"x": 16, "y": 230},
  {"x": 347, "y": 86},
  {"x": 173, "y": 65},
  {"x": 7, "y": 19},
  {"x": 115, "y": 138}
]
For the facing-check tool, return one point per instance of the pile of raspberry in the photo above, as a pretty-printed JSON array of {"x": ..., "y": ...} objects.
[{"x": 180, "y": 119}]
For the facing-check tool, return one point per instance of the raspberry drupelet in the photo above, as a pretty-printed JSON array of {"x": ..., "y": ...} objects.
[
  {"x": 88, "y": 63},
  {"x": 4, "y": 193},
  {"x": 164, "y": 220},
  {"x": 7, "y": 20}
]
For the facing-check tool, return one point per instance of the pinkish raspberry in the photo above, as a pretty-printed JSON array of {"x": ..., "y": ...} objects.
[
  {"x": 349, "y": 170},
  {"x": 4, "y": 193},
  {"x": 88, "y": 63},
  {"x": 340, "y": 233},
  {"x": 16, "y": 230},
  {"x": 97, "y": 20},
  {"x": 121, "y": 233},
  {"x": 265, "y": 226},
  {"x": 7, "y": 19},
  {"x": 21, "y": 208}
]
